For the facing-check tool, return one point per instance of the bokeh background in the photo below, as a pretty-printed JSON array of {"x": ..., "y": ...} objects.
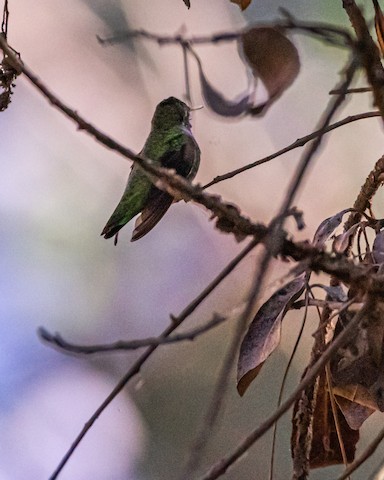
[{"x": 58, "y": 188}]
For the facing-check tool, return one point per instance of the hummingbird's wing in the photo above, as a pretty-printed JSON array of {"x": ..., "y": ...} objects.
[
  {"x": 186, "y": 162},
  {"x": 158, "y": 204},
  {"x": 131, "y": 203}
]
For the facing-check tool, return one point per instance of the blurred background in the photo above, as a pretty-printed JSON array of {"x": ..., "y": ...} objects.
[{"x": 57, "y": 190}]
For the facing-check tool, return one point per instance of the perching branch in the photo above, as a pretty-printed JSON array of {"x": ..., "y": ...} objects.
[{"x": 228, "y": 214}]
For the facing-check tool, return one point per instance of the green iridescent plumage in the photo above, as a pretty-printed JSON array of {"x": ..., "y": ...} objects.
[{"x": 170, "y": 144}]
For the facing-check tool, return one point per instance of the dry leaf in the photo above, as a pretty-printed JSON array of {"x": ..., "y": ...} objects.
[
  {"x": 273, "y": 58},
  {"x": 243, "y": 4},
  {"x": 335, "y": 293},
  {"x": 216, "y": 100},
  {"x": 342, "y": 241},
  {"x": 359, "y": 362},
  {"x": 354, "y": 413},
  {"x": 327, "y": 227},
  {"x": 356, "y": 404},
  {"x": 219, "y": 104},
  {"x": 325, "y": 448},
  {"x": 263, "y": 335}
]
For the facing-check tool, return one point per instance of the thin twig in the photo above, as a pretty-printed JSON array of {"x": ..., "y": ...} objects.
[
  {"x": 336, "y": 91},
  {"x": 363, "y": 201},
  {"x": 314, "y": 302},
  {"x": 57, "y": 341},
  {"x": 300, "y": 142},
  {"x": 222, "y": 465},
  {"x": 324, "y": 32},
  {"x": 285, "y": 376},
  {"x": 188, "y": 95},
  {"x": 216, "y": 403},
  {"x": 368, "y": 53},
  {"x": 4, "y": 24}
]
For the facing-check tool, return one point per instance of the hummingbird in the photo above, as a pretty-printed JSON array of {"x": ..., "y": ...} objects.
[{"x": 170, "y": 144}]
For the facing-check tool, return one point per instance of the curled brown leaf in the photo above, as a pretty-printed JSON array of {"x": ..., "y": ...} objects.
[
  {"x": 263, "y": 335},
  {"x": 273, "y": 58},
  {"x": 243, "y": 4}
]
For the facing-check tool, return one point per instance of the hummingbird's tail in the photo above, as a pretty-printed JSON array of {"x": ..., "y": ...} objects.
[
  {"x": 152, "y": 213},
  {"x": 111, "y": 230}
]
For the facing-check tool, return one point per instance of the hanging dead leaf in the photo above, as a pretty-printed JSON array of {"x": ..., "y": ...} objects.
[
  {"x": 356, "y": 404},
  {"x": 379, "y": 25},
  {"x": 263, "y": 335},
  {"x": 243, "y": 4},
  {"x": 342, "y": 241},
  {"x": 325, "y": 446},
  {"x": 335, "y": 293},
  {"x": 354, "y": 413},
  {"x": 216, "y": 100},
  {"x": 273, "y": 58},
  {"x": 327, "y": 227},
  {"x": 187, "y": 3},
  {"x": 361, "y": 361}
]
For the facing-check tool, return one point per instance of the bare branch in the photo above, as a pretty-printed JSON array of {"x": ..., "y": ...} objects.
[
  {"x": 369, "y": 53},
  {"x": 363, "y": 201},
  {"x": 57, "y": 341},
  {"x": 4, "y": 24},
  {"x": 300, "y": 142},
  {"x": 323, "y": 31}
]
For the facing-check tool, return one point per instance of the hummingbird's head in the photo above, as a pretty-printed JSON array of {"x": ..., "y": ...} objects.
[{"x": 171, "y": 112}]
